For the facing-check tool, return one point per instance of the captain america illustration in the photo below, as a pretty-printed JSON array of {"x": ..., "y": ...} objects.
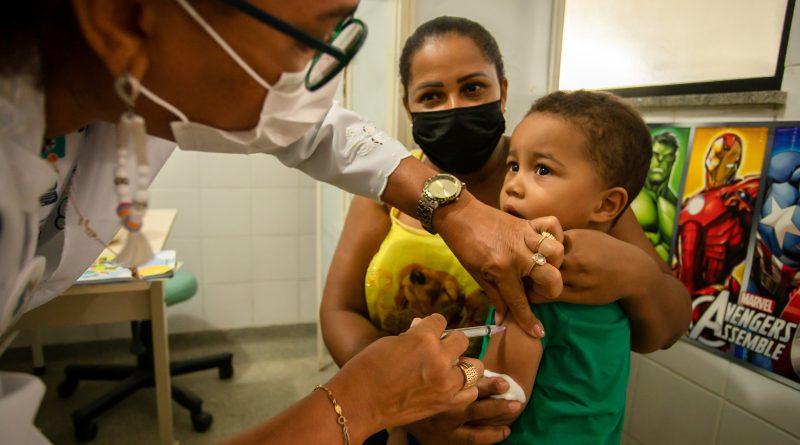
[{"x": 775, "y": 271}]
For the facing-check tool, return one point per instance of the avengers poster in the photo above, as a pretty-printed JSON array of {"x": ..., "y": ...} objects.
[
  {"x": 656, "y": 205},
  {"x": 734, "y": 237}
]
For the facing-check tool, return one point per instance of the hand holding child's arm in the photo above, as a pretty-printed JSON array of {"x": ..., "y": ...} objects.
[{"x": 600, "y": 268}]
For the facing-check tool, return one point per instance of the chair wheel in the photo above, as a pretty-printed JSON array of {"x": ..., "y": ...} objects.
[
  {"x": 201, "y": 421},
  {"x": 85, "y": 431},
  {"x": 226, "y": 371},
  {"x": 66, "y": 388}
]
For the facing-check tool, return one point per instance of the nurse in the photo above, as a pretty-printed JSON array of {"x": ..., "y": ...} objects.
[{"x": 236, "y": 77}]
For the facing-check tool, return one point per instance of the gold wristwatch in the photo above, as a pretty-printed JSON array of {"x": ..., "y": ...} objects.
[{"x": 439, "y": 190}]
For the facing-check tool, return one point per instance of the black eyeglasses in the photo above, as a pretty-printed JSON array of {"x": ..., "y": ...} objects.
[{"x": 332, "y": 56}]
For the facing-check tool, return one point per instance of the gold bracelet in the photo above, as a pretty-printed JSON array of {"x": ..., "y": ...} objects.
[{"x": 340, "y": 419}]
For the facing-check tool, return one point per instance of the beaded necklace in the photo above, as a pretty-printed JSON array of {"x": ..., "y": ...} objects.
[{"x": 131, "y": 207}]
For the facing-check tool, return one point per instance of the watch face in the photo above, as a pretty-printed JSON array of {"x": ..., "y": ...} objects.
[{"x": 443, "y": 188}]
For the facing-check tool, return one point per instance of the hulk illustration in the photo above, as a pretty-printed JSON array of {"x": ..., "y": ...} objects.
[{"x": 655, "y": 205}]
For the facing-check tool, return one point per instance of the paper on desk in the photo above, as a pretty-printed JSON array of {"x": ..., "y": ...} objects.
[{"x": 104, "y": 270}]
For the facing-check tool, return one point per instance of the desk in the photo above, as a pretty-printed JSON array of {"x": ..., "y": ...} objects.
[{"x": 118, "y": 302}]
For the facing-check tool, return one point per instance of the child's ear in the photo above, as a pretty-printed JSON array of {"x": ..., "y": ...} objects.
[{"x": 612, "y": 203}]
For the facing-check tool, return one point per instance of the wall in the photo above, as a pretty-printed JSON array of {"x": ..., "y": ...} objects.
[
  {"x": 686, "y": 395},
  {"x": 246, "y": 227}
]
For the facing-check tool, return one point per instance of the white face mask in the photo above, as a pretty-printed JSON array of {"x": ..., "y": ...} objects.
[{"x": 289, "y": 110}]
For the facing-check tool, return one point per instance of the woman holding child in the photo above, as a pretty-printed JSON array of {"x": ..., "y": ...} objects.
[{"x": 388, "y": 270}]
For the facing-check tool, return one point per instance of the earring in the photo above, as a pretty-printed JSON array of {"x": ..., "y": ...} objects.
[{"x": 131, "y": 142}]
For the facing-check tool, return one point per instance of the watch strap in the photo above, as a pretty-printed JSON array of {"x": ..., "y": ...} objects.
[{"x": 425, "y": 209}]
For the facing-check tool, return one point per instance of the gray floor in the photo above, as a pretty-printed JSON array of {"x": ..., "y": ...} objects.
[{"x": 272, "y": 368}]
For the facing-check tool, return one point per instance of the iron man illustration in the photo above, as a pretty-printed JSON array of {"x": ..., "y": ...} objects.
[{"x": 714, "y": 223}]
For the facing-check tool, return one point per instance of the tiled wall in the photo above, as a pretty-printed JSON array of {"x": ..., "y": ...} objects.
[
  {"x": 688, "y": 396},
  {"x": 246, "y": 228}
]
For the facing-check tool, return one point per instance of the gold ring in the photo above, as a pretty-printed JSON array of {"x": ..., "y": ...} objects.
[
  {"x": 545, "y": 234},
  {"x": 470, "y": 374}
]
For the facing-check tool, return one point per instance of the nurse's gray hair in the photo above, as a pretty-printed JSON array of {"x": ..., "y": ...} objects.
[{"x": 450, "y": 25}]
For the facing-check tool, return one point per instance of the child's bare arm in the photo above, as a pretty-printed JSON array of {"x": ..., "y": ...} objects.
[{"x": 515, "y": 353}]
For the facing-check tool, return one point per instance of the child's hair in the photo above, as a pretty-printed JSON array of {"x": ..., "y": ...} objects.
[
  {"x": 617, "y": 139},
  {"x": 450, "y": 25}
]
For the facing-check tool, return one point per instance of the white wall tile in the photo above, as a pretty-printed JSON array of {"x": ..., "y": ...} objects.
[
  {"x": 697, "y": 365},
  {"x": 739, "y": 428},
  {"x": 223, "y": 170},
  {"x": 275, "y": 302},
  {"x": 631, "y": 391},
  {"x": 658, "y": 115},
  {"x": 726, "y": 114},
  {"x": 225, "y": 212},
  {"x": 180, "y": 171},
  {"x": 228, "y": 306},
  {"x": 309, "y": 310},
  {"x": 307, "y": 208},
  {"x": 275, "y": 258},
  {"x": 791, "y": 84},
  {"x": 628, "y": 440},
  {"x": 227, "y": 260},
  {"x": 267, "y": 172},
  {"x": 275, "y": 211},
  {"x": 765, "y": 398},
  {"x": 189, "y": 253},
  {"x": 186, "y": 202},
  {"x": 307, "y": 256},
  {"x": 671, "y": 410}
]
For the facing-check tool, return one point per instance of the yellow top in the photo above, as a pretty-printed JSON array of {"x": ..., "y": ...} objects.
[{"x": 414, "y": 274}]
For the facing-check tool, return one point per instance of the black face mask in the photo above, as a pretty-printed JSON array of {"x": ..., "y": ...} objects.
[{"x": 459, "y": 140}]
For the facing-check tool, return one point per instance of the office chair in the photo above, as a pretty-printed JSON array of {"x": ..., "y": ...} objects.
[{"x": 182, "y": 286}]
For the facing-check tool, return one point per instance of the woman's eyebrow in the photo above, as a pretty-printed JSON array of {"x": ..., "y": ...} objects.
[
  {"x": 470, "y": 76},
  {"x": 431, "y": 84}
]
